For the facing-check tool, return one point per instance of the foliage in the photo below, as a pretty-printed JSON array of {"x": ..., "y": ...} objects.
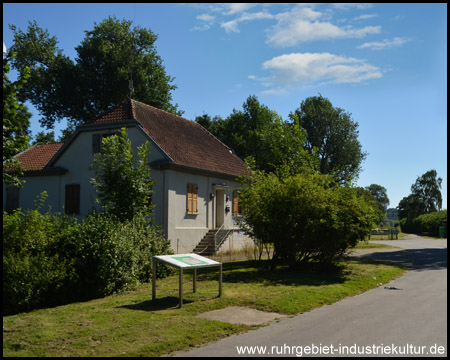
[
  {"x": 380, "y": 194},
  {"x": 109, "y": 55},
  {"x": 124, "y": 186},
  {"x": 260, "y": 133},
  {"x": 44, "y": 138},
  {"x": 112, "y": 256},
  {"x": 425, "y": 197},
  {"x": 50, "y": 259},
  {"x": 425, "y": 224},
  {"x": 427, "y": 189},
  {"x": 333, "y": 134},
  {"x": 34, "y": 272},
  {"x": 305, "y": 216},
  {"x": 16, "y": 120}
]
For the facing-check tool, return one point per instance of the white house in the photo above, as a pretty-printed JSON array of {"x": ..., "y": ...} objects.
[{"x": 196, "y": 174}]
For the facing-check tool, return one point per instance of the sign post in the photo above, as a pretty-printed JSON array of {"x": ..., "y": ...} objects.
[{"x": 185, "y": 261}]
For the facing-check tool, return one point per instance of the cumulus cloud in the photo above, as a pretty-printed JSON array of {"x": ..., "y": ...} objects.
[
  {"x": 302, "y": 69},
  {"x": 304, "y": 24},
  {"x": 384, "y": 44}
]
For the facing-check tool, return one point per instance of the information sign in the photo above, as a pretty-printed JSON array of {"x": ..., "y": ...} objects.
[{"x": 182, "y": 262}]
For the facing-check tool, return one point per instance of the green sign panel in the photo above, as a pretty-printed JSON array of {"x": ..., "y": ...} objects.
[{"x": 190, "y": 260}]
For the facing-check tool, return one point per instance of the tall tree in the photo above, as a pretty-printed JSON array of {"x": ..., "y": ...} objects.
[
  {"x": 122, "y": 180},
  {"x": 16, "y": 120},
  {"x": 333, "y": 134},
  {"x": 380, "y": 194},
  {"x": 107, "y": 58},
  {"x": 260, "y": 133},
  {"x": 427, "y": 189},
  {"x": 425, "y": 196}
]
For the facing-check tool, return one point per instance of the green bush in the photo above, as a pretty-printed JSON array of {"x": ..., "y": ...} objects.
[
  {"x": 34, "y": 272},
  {"x": 50, "y": 259},
  {"x": 427, "y": 224},
  {"x": 111, "y": 256},
  {"x": 306, "y": 216}
]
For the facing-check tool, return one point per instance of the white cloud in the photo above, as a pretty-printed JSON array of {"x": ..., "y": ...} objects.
[
  {"x": 206, "y": 17},
  {"x": 304, "y": 69},
  {"x": 303, "y": 24},
  {"x": 232, "y": 25},
  {"x": 365, "y": 17},
  {"x": 385, "y": 44},
  {"x": 234, "y": 8}
]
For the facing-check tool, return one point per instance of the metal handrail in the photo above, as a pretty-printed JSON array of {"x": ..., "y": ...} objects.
[{"x": 217, "y": 243}]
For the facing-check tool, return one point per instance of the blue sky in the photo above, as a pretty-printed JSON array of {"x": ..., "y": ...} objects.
[{"x": 386, "y": 64}]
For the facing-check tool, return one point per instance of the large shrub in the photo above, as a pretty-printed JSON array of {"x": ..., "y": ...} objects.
[
  {"x": 427, "y": 224},
  {"x": 35, "y": 274},
  {"x": 50, "y": 259},
  {"x": 111, "y": 256},
  {"x": 307, "y": 217}
]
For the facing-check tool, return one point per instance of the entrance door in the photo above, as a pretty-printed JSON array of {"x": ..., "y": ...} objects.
[{"x": 220, "y": 208}]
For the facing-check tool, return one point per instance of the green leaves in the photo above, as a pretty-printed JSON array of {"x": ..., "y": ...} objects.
[
  {"x": 305, "y": 216},
  {"x": 98, "y": 78},
  {"x": 123, "y": 182}
]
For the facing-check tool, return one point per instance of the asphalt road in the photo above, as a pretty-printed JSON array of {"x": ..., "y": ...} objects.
[{"x": 410, "y": 320}]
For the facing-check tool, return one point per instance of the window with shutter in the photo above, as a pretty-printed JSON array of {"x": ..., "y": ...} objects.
[
  {"x": 192, "y": 199},
  {"x": 72, "y": 204}
]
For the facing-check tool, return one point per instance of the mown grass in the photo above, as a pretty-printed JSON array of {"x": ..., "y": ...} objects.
[{"x": 131, "y": 324}]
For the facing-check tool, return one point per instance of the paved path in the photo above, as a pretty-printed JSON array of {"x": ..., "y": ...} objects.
[{"x": 411, "y": 320}]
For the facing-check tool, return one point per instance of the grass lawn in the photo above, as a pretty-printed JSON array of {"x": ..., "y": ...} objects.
[{"x": 131, "y": 324}]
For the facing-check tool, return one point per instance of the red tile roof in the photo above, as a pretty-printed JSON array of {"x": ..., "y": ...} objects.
[
  {"x": 185, "y": 141},
  {"x": 38, "y": 156}
]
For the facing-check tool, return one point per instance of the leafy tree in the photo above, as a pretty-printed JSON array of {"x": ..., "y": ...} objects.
[
  {"x": 305, "y": 216},
  {"x": 410, "y": 207},
  {"x": 99, "y": 77},
  {"x": 16, "y": 120},
  {"x": 425, "y": 197},
  {"x": 380, "y": 194},
  {"x": 427, "y": 189},
  {"x": 44, "y": 138},
  {"x": 122, "y": 181},
  {"x": 333, "y": 134},
  {"x": 260, "y": 133}
]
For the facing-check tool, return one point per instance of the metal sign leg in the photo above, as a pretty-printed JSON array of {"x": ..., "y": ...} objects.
[{"x": 181, "y": 288}]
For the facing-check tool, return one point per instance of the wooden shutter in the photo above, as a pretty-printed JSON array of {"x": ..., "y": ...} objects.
[
  {"x": 192, "y": 199},
  {"x": 235, "y": 203},
  {"x": 72, "y": 204},
  {"x": 189, "y": 199},
  {"x": 195, "y": 199}
]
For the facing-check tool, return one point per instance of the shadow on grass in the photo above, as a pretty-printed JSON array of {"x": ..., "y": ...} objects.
[{"x": 163, "y": 303}]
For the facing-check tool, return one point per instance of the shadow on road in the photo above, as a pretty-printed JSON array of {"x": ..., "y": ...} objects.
[{"x": 418, "y": 259}]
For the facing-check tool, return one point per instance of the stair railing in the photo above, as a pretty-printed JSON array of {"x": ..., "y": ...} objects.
[{"x": 218, "y": 240}]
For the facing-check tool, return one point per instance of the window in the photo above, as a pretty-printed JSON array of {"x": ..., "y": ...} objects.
[
  {"x": 237, "y": 210},
  {"x": 72, "y": 204},
  {"x": 192, "y": 199},
  {"x": 97, "y": 141},
  {"x": 12, "y": 199}
]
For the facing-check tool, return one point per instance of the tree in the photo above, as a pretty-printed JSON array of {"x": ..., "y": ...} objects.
[
  {"x": 380, "y": 194},
  {"x": 333, "y": 134},
  {"x": 98, "y": 79},
  {"x": 260, "y": 133},
  {"x": 44, "y": 138},
  {"x": 427, "y": 190},
  {"x": 16, "y": 120},
  {"x": 305, "y": 216},
  {"x": 123, "y": 182},
  {"x": 425, "y": 197}
]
